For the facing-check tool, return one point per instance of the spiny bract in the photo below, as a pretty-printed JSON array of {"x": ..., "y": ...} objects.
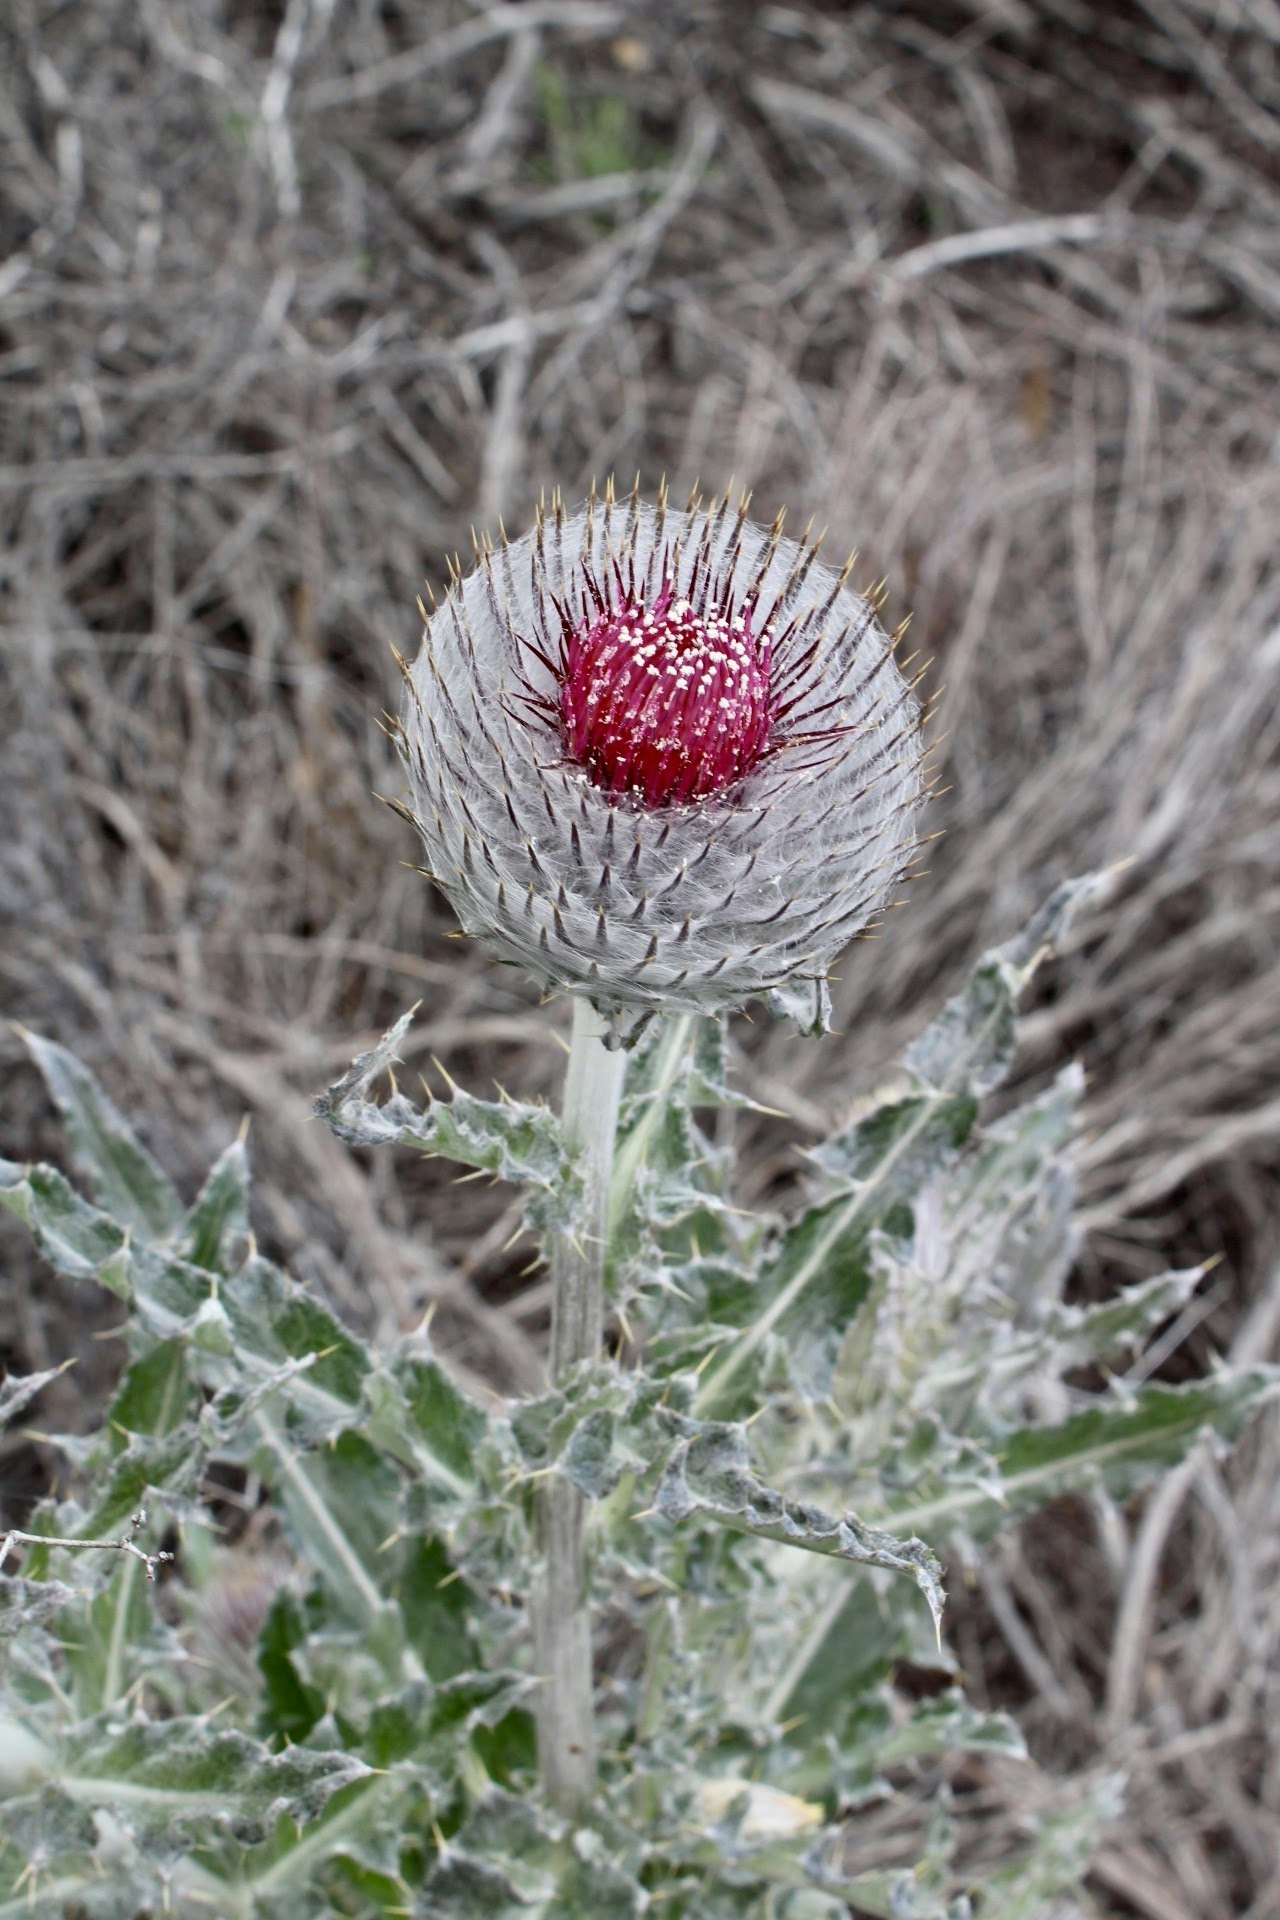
[{"x": 665, "y": 759}]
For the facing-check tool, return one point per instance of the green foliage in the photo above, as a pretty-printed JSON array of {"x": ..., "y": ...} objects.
[
  {"x": 331, "y": 1712},
  {"x": 710, "y": 1473},
  {"x": 588, "y": 135}
]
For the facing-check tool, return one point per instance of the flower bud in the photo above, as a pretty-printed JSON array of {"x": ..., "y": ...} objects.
[{"x": 663, "y": 759}]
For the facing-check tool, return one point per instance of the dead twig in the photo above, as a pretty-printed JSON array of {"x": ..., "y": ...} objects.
[{"x": 15, "y": 1537}]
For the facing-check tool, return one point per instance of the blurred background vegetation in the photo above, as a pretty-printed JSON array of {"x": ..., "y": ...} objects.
[{"x": 293, "y": 296}]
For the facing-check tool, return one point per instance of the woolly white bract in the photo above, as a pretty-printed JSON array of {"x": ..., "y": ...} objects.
[{"x": 699, "y": 905}]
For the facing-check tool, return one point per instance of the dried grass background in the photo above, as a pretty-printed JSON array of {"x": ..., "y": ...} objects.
[{"x": 293, "y": 296}]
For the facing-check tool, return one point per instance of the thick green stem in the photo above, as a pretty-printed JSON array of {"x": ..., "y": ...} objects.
[{"x": 561, "y": 1608}]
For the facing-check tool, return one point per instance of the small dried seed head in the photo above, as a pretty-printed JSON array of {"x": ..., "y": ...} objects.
[{"x": 663, "y": 759}]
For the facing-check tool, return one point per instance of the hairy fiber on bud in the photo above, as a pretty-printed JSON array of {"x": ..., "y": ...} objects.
[{"x": 664, "y": 759}]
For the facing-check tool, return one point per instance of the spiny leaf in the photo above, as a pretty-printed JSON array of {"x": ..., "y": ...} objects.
[
  {"x": 125, "y": 1179},
  {"x": 419, "y": 1414},
  {"x": 272, "y": 1321},
  {"x": 805, "y": 1003},
  {"x": 154, "y": 1394},
  {"x": 290, "y": 1705},
  {"x": 342, "y": 1503},
  {"x": 506, "y": 1864},
  {"x": 48, "y": 1879},
  {"x": 1076, "y": 1336},
  {"x": 517, "y": 1142},
  {"x": 18, "y": 1390},
  {"x": 989, "y": 1246},
  {"x": 436, "y": 1608},
  {"x": 971, "y": 1042},
  {"x": 904, "y": 1893},
  {"x": 166, "y": 1777},
  {"x": 900, "y": 1143},
  {"x": 284, "y": 1868},
  {"x": 220, "y": 1213},
  {"x": 880, "y": 1162},
  {"x": 151, "y": 1447},
  {"x": 669, "y": 1199},
  {"x": 709, "y": 1473},
  {"x": 1066, "y": 1837},
  {"x": 597, "y": 1424},
  {"x": 29, "y": 1603},
  {"x": 76, "y": 1238},
  {"x": 949, "y": 1724},
  {"x": 1119, "y": 1442}
]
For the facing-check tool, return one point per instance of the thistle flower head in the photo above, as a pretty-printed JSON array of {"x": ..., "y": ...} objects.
[
  {"x": 663, "y": 759},
  {"x": 668, "y": 701}
]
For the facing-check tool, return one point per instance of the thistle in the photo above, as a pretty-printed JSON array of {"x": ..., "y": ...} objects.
[{"x": 665, "y": 760}]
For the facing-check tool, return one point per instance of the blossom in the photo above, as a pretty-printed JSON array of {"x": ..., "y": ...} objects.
[{"x": 664, "y": 759}]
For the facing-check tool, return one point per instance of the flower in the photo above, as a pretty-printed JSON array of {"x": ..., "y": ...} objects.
[
  {"x": 666, "y": 760},
  {"x": 764, "y": 1813}
]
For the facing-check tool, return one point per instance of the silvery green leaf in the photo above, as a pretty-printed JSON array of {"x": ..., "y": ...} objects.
[
  {"x": 971, "y": 1042},
  {"x": 818, "y": 1278},
  {"x": 436, "y": 1607},
  {"x": 1120, "y": 1441},
  {"x": 470, "y": 1706},
  {"x": 1007, "y": 1204},
  {"x": 596, "y": 1425},
  {"x": 220, "y": 1215},
  {"x": 831, "y": 1649},
  {"x": 1075, "y": 1336},
  {"x": 807, "y": 1294},
  {"x": 669, "y": 1200},
  {"x": 76, "y": 1238},
  {"x": 996, "y": 1378},
  {"x": 290, "y": 1705},
  {"x": 169, "y": 1777},
  {"x": 154, "y": 1395},
  {"x": 970, "y": 1045},
  {"x": 52, "y": 1868},
  {"x": 504, "y": 1853},
  {"x": 684, "y": 1058},
  {"x": 903, "y": 1893},
  {"x": 899, "y": 1144},
  {"x": 988, "y": 1244},
  {"x": 508, "y": 1863},
  {"x": 149, "y": 1458},
  {"x": 128, "y": 1797},
  {"x": 990, "y": 1367},
  {"x": 273, "y": 1321},
  {"x": 125, "y": 1179},
  {"x": 858, "y": 1729},
  {"x": 708, "y": 1078},
  {"x": 1046, "y": 931},
  {"x": 806, "y": 1003},
  {"x": 342, "y": 1503},
  {"x": 709, "y": 1473},
  {"x": 29, "y": 1603},
  {"x": 18, "y": 1390},
  {"x": 142, "y": 1466},
  {"x": 416, "y": 1411},
  {"x": 949, "y": 1724},
  {"x": 286, "y": 1868},
  {"x": 514, "y": 1141},
  {"x": 1065, "y": 1840}
]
